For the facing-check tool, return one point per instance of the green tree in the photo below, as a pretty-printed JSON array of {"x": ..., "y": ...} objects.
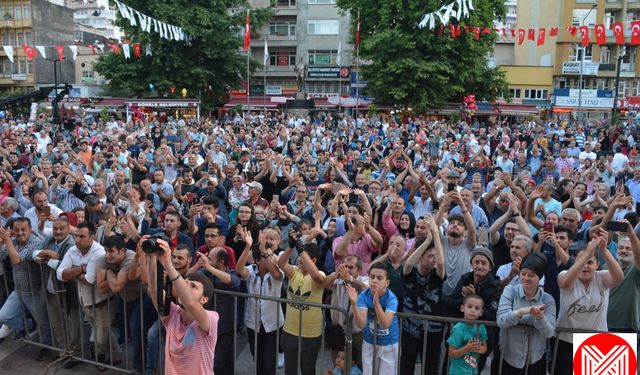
[
  {"x": 416, "y": 67},
  {"x": 207, "y": 65}
]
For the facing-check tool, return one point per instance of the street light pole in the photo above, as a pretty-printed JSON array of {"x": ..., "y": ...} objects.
[
  {"x": 615, "y": 97},
  {"x": 594, "y": 6}
]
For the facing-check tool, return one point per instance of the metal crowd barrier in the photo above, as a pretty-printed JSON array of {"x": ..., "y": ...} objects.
[{"x": 86, "y": 355}]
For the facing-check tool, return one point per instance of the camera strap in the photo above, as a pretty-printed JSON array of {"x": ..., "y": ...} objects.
[{"x": 163, "y": 286}]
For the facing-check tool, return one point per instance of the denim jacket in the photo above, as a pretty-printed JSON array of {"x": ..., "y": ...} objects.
[{"x": 516, "y": 339}]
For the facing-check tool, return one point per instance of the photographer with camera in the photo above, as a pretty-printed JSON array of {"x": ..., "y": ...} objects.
[
  {"x": 171, "y": 230},
  {"x": 191, "y": 330}
]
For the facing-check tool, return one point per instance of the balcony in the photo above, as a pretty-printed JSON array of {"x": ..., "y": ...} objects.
[{"x": 7, "y": 24}]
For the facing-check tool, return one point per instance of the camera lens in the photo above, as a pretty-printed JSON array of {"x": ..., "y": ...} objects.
[{"x": 149, "y": 246}]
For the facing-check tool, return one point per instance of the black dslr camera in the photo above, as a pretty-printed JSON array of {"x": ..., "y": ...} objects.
[{"x": 151, "y": 245}]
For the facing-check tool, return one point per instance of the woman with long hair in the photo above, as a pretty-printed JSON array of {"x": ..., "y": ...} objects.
[{"x": 247, "y": 219}]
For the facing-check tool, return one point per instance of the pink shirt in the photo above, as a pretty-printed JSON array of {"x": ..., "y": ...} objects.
[
  {"x": 361, "y": 248},
  {"x": 189, "y": 350}
]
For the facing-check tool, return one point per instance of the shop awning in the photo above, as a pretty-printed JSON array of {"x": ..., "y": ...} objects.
[
  {"x": 255, "y": 102},
  {"x": 163, "y": 103}
]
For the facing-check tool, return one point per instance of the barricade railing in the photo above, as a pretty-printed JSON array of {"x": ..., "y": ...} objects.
[{"x": 96, "y": 313}]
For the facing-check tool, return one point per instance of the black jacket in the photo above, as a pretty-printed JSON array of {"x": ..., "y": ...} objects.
[{"x": 487, "y": 288}]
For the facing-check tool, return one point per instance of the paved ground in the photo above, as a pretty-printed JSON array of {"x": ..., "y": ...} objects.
[{"x": 18, "y": 358}]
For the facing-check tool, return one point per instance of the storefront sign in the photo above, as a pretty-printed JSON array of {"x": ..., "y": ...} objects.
[
  {"x": 163, "y": 103},
  {"x": 573, "y": 68},
  {"x": 590, "y": 98},
  {"x": 329, "y": 72},
  {"x": 273, "y": 90}
]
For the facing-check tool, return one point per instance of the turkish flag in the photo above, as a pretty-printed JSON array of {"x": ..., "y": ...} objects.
[
  {"x": 455, "y": 30},
  {"x": 618, "y": 32},
  {"x": 116, "y": 48},
  {"x": 137, "y": 51},
  {"x": 358, "y": 32},
  {"x": 513, "y": 32},
  {"x": 532, "y": 34},
  {"x": 572, "y": 30},
  {"x": 30, "y": 52},
  {"x": 553, "y": 32},
  {"x": 601, "y": 38},
  {"x": 635, "y": 33},
  {"x": 476, "y": 32},
  {"x": 584, "y": 33},
  {"x": 486, "y": 30},
  {"x": 520, "y": 36},
  {"x": 60, "y": 50},
  {"x": 541, "y": 35},
  {"x": 247, "y": 33}
]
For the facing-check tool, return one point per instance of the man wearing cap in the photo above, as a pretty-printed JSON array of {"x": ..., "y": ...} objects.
[{"x": 260, "y": 205}]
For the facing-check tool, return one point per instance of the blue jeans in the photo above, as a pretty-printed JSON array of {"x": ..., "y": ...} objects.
[
  {"x": 153, "y": 345},
  {"x": 136, "y": 328},
  {"x": 11, "y": 314}
]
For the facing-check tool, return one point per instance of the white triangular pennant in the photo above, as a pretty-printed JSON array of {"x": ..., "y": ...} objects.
[
  {"x": 126, "y": 50},
  {"x": 42, "y": 51},
  {"x": 131, "y": 17},
  {"x": 145, "y": 23},
  {"x": 147, "y": 50},
  {"x": 164, "y": 33},
  {"x": 176, "y": 32},
  {"x": 74, "y": 51},
  {"x": 9, "y": 51}
]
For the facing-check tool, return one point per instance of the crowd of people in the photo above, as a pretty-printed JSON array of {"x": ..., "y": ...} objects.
[{"x": 529, "y": 224}]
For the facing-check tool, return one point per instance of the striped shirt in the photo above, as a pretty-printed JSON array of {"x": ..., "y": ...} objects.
[
  {"x": 65, "y": 199},
  {"x": 26, "y": 274}
]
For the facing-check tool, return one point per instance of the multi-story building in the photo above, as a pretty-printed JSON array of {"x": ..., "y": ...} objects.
[
  {"x": 599, "y": 63},
  {"x": 302, "y": 31},
  {"x": 34, "y": 23}
]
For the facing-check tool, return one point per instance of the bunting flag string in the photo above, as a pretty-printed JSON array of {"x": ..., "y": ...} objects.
[
  {"x": 617, "y": 33},
  {"x": 459, "y": 10},
  {"x": 31, "y": 52},
  {"x": 166, "y": 31}
]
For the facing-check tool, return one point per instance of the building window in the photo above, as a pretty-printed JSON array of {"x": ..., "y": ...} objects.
[
  {"x": 5, "y": 38},
  {"x": 282, "y": 58},
  {"x": 27, "y": 38},
  {"x": 12, "y": 39},
  {"x": 579, "y": 14},
  {"x": 20, "y": 38},
  {"x": 7, "y": 67},
  {"x": 515, "y": 93},
  {"x": 605, "y": 54},
  {"x": 26, "y": 11},
  {"x": 322, "y": 1},
  {"x": 22, "y": 67},
  {"x": 577, "y": 50},
  {"x": 30, "y": 67},
  {"x": 7, "y": 12},
  {"x": 87, "y": 74},
  {"x": 322, "y": 57},
  {"x": 535, "y": 94},
  {"x": 18, "y": 12},
  {"x": 284, "y": 3},
  {"x": 323, "y": 27},
  {"x": 282, "y": 28}
]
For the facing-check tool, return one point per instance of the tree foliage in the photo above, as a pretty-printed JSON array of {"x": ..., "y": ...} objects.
[
  {"x": 208, "y": 65},
  {"x": 417, "y": 67}
]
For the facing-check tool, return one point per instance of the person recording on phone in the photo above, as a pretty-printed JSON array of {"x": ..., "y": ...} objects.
[
  {"x": 204, "y": 213},
  {"x": 191, "y": 331}
]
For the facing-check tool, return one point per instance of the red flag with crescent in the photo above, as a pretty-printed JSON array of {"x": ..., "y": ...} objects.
[
  {"x": 635, "y": 33},
  {"x": 601, "y": 38},
  {"x": 618, "y": 32},
  {"x": 30, "y": 52},
  {"x": 520, "y": 36},
  {"x": 584, "y": 33},
  {"x": 60, "y": 50}
]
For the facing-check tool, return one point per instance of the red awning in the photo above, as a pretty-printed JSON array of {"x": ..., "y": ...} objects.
[{"x": 110, "y": 102}]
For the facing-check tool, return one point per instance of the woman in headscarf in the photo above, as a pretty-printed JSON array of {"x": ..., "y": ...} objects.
[{"x": 521, "y": 305}]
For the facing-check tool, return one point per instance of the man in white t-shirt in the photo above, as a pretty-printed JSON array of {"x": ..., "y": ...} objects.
[{"x": 587, "y": 154}]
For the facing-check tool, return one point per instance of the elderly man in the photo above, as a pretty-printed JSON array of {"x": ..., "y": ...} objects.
[
  {"x": 8, "y": 210},
  {"x": 624, "y": 300},
  {"x": 53, "y": 250},
  {"x": 27, "y": 278}
]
